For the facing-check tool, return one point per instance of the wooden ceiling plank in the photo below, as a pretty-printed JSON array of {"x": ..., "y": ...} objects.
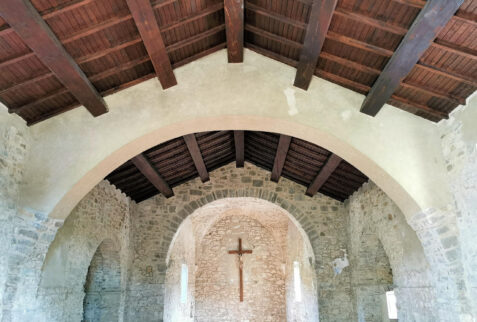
[
  {"x": 239, "y": 148},
  {"x": 272, "y": 36},
  {"x": 145, "y": 20},
  {"x": 43, "y": 99},
  {"x": 271, "y": 54},
  {"x": 412, "y": 3},
  {"x": 280, "y": 157},
  {"x": 455, "y": 49},
  {"x": 196, "y": 155},
  {"x": 203, "y": 13},
  {"x": 325, "y": 172},
  {"x": 27, "y": 82},
  {"x": 274, "y": 15},
  {"x": 433, "y": 92},
  {"x": 376, "y": 23},
  {"x": 28, "y": 24},
  {"x": 148, "y": 170},
  {"x": 188, "y": 41},
  {"x": 234, "y": 29},
  {"x": 359, "y": 44},
  {"x": 316, "y": 30},
  {"x": 419, "y": 106},
  {"x": 350, "y": 63},
  {"x": 430, "y": 21},
  {"x": 447, "y": 73}
]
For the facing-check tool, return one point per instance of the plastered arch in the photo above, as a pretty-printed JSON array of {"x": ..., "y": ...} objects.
[{"x": 72, "y": 152}]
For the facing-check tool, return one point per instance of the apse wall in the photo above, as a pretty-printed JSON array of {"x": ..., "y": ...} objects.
[{"x": 156, "y": 220}]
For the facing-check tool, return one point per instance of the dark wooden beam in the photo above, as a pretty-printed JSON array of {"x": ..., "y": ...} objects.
[
  {"x": 148, "y": 170},
  {"x": 196, "y": 155},
  {"x": 146, "y": 23},
  {"x": 319, "y": 22},
  {"x": 28, "y": 24},
  {"x": 330, "y": 166},
  {"x": 430, "y": 21},
  {"x": 239, "y": 148},
  {"x": 234, "y": 29},
  {"x": 280, "y": 157}
]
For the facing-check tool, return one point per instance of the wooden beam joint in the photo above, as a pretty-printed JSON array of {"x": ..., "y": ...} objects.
[
  {"x": 148, "y": 170},
  {"x": 196, "y": 155}
]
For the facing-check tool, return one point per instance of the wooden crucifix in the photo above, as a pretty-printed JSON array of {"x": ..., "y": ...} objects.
[{"x": 240, "y": 252}]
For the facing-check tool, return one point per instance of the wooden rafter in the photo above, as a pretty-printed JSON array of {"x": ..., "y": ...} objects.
[
  {"x": 196, "y": 155},
  {"x": 280, "y": 157},
  {"x": 146, "y": 23},
  {"x": 148, "y": 170},
  {"x": 330, "y": 166},
  {"x": 29, "y": 25},
  {"x": 320, "y": 19},
  {"x": 432, "y": 18},
  {"x": 234, "y": 29},
  {"x": 239, "y": 141}
]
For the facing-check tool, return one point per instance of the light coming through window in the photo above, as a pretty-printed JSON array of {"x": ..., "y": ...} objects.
[
  {"x": 184, "y": 282},
  {"x": 297, "y": 281},
  {"x": 392, "y": 308}
]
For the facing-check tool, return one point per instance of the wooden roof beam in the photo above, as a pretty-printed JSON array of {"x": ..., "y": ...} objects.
[
  {"x": 33, "y": 30},
  {"x": 148, "y": 170},
  {"x": 316, "y": 30},
  {"x": 239, "y": 148},
  {"x": 196, "y": 155},
  {"x": 430, "y": 21},
  {"x": 325, "y": 172},
  {"x": 280, "y": 157},
  {"x": 234, "y": 29},
  {"x": 146, "y": 23}
]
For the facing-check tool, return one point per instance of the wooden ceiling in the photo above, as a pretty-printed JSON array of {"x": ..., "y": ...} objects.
[
  {"x": 163, "y": 167},
  {"x": 58, "y": 54}
]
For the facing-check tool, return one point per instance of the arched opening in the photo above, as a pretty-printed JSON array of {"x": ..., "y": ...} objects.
[
  {"x": 103, "y": 285},
  {"x": 279, "y": 262}
]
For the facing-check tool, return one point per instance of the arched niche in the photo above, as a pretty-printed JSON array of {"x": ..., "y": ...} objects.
[
  {"x": 279, "y": 243},
  {"x": 103, "y": 284}
]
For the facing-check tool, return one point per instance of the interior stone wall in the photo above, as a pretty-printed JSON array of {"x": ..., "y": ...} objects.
[
  {"x": 156, "y": 220},
  {"x": 240, "y": 217},
  {"x": 377, "y": 224},
  {"x": 217, "y": 280},
  {"x": 459, "y": 146},
  {"x": 102, "y": 215},
  {"x": 102, "y": 288}
]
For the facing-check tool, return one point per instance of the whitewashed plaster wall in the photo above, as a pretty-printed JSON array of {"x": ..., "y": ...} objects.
[
  {"x": 74, "y": 151},
  {"x": 182, "y": 251}
]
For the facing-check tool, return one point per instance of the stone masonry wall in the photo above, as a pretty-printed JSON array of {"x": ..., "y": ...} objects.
[
  {"x": 103, "y": 285},
  {"x": 102, "y": 215},
  {"x": 216, "y": 290},
  {"x": 156, "y": 220},
  {"x": 459, "y": 146},
  {"x": 375, "y": 225}
]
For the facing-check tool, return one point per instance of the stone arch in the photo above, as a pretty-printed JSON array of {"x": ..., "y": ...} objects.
[
  {"x": 258, "y": 207},
  {"x": 103, "y": 284},
  {"x": 293, "y": 212},
  {"x": 103, "y": 215}
]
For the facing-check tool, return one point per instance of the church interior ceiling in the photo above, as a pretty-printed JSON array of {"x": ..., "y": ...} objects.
[{"x": 56, "y": 55}]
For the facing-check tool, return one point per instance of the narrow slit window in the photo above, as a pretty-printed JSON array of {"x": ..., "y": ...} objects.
[
  {"x": 297, "y": 281},
  {"x": 184, "y": 282},
  {"x": 392, "y": 307}
]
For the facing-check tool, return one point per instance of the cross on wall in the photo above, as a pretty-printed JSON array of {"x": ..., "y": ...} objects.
[{"x": 240, "y": 252}]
